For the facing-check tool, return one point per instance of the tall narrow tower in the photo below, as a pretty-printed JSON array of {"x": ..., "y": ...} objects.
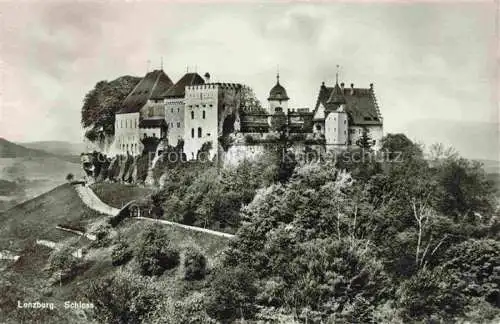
[{"x": 278, "y": 98}]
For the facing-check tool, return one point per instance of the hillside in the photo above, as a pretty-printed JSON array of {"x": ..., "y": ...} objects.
[
  {"x": 60, "y": 148},
  {"x": 30, "y": 278},
  {"x": 31, "y": 171},
  {"x": 12, "y": 150}
]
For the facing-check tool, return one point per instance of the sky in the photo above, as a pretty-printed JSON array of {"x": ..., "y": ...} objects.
[{"x": 432, "y": 63}]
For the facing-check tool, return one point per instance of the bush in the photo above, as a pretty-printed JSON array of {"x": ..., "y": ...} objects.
[
  {"x": 156, "y": 253},
  {"x": 429, "y": 295},
  {"x": 174, "y": 311},
  {"x": 64, "y": 265},
  {"x": 102, "y": 236},
  {"x": 232, "y": 294},
  {"x": 121, "y": 254},
  {"x": 122, "y": 298},
  {"x": 70, "y": 177},
  {"x": 62, "y": 260},
  {"x": 195, "y": 265}
]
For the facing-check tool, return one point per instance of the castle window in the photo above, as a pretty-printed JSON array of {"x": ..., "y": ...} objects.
[
  {"x": 203, "y": 113},
  {"x": 278, "y": 109},
  {"x": 344, "y": 132},
  {"x": 192, "y": 132},
  {"x": 171, "y": 110},
  {"x": 145, "y": 135},
  {"x": 192, "y": 115},
  {"x": 199, "y": 131},
  {"x": 178, "y": 109},
  {"x": 135, "y": 123},
  {"x": 178, "y": 125},
  {"x": 345, "y": 121}
]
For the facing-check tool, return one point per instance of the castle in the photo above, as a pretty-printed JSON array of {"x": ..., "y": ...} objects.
[{"x": 196, "y": 111}]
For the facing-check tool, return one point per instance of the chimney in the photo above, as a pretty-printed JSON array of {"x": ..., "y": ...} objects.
[
  {"x": 342, "y": 87},
  {"x": 207, "y": 77},
  {"x": 352, "y": 89},
  {"x": 371, "y": 86}
]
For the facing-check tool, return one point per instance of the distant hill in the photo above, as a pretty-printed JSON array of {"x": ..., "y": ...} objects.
[
  {"x": 56, "y": 147},
  {"x": 31, "y": 171},
  {"x": 472, "y": 139},
  {"x": 12, "y": 150}
]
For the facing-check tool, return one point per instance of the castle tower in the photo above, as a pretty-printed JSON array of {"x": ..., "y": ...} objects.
[
  {"x": 278, "y": 98},
  {"x": 336, "y": 119}
]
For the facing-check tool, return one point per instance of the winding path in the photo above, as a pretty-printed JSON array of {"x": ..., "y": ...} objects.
[
  {"x": 91, "y": 200},
  {"x": 191, "y": 228}
]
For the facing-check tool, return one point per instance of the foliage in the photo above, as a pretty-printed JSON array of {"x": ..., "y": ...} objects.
[
  {"x": 190, "y": 309},
  {"x": 232, "y": 294},
  {"x": 121, "y": 298},
  {"x": 121, "y": 254},
  {"x": 155, "y": 253},
  {"x": 465, "y": 190},
  {"x": 195, "y": 264},
  {"x": 474, "y": 267},
  {"x": 63, "y": 260},
  {"x": 102, "y": 233},
  {"x": 70, "y": 177},
  {"x": 365, "y": 142},
  {"x": 249, "y": 101},
  {"x": 430, "y": 295},
  {"x": 102, "y": 102}
]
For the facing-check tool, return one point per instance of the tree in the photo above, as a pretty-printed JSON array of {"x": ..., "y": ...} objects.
[
  {"x": 195, "y": 264},
  {"x": 155, "y": 252},
  {"x": 121, "y": 298},
  {"x": 249, "y": 101},
  {"x": 399, "y": 146},
  {"x": 70, "y": 177},
  {"x": 102, "y": 102},
  {"x": 232, "y": 294},
  {"x": 365, "y": 142}
]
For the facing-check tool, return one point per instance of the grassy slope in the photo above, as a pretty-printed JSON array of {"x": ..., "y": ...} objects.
[
  {"x": 37, "y": 218},
  {"x": 27, "y": 278},
  {"x": 118, "y": 194}
]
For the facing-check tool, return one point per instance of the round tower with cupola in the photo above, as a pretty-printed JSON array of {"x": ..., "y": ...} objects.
[{"x": 278, "y": 98}]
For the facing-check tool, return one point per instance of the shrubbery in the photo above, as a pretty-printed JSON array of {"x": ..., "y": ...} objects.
[
  {"x": 232, "y": 294},
  {"x": 122, "y": 298},
  {"x": 121, "y": 254},
  {"x": 155, "y": 252},
  {"x": 195, "y": 264},
  {"x": 64, "y": 265}
]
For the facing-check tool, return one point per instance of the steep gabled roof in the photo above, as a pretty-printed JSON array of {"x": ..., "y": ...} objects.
[
  {"x": 178, "y": 90},
  {"x": 360, "y": 104},
  {"x": 152, "y": 123},
  {"x": 153, "y": 84}
]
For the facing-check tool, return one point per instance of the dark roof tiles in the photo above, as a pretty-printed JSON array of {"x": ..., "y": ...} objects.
[
  {"x": 178, "y": 90},
  {"x": 149, "y": 87},
  {"x": 360, "y": 104}
]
